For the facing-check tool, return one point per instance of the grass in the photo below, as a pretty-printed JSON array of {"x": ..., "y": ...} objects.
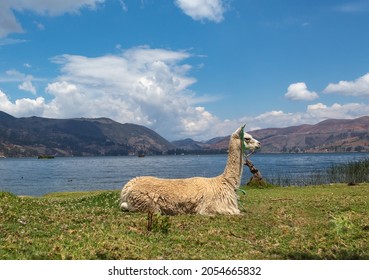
[
  {"x": 315, "y": 222},
  {"x": 353, "y": 172}
]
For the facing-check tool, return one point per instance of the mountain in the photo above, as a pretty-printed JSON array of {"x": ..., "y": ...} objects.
[
  {"x": 102, "y": 136},
  {"x": 76, "y": 137},
  {"x": 332, "y": 135},
  {"x": 213, "y": 146},
  {"x": 188, "y": 144}
]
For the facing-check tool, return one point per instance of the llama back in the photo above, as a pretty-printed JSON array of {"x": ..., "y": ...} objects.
[
  {"x": 169, "y": 196},
  {"x": 206, "y": 196}
]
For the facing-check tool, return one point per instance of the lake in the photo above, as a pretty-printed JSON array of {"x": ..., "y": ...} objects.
[{"x": 36, "y": 177}]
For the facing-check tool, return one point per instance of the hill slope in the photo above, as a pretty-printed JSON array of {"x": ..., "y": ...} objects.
[
  {"x": 326, "y": 136},
  {"x": 101, "y": 136},
  {"x": 74, "y": 137}
]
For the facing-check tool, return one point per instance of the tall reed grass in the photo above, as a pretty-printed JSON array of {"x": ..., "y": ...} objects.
[{"x": 350, "y": 173}]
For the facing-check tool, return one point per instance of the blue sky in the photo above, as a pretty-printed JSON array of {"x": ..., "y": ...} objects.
[{"x": 186, "y": 68}]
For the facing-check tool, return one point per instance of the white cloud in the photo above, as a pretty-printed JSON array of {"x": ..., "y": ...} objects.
[
  {"x": 197, "y": 121},
  {"x": 141, "y": 85},
  {"x": 212, "y": 10},
  {"x": 23, "y": 107},
  {"x": 356, "y": 6},
  {"x": 153, "y": 93},
  {"x": 337, "y": 111},
  {"x": 13, "y": 75},
  {"x": 150, "y": 87},
  {"x": 317, "y": 106},
  {"x": 314, "y": 113},
  {"x": 299, "y": 91},
  {"x": 27, "y": 86},
  {"x": 359, "y": 87},
  {"x": 8, "y": 41},
  {"x": 275, "y": 119},
  {"x": 9, "y": 23}
]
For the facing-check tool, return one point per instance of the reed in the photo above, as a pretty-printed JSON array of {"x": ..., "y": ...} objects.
[{"x": 352, "y": 173}]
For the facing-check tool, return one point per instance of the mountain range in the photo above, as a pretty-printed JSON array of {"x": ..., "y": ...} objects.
[
  {"x": 35, "y": 136},
  {"x": 333, "y": 135}
]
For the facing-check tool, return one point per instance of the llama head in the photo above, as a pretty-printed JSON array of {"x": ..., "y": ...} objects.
[{"x": 249, "y": 142}]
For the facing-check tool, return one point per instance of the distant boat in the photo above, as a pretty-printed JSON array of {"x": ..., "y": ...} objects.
[
  {"x": 141, "y": 155},
  {"x": 2, "y": 156},
  {"x": 46, "y": 157}
]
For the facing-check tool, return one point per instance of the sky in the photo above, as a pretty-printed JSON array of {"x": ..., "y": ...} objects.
[{"x": 186, "y": 68}]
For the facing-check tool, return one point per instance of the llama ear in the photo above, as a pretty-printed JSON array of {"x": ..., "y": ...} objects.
[{"x": 238, "y": 131}]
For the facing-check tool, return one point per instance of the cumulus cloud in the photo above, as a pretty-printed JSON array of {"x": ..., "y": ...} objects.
[
  {"x": 337, "y": 111},
  {"x": 130, "y": 88},
  {"x": 140, "y": 85},
  {"x": 314, "y": 113},
  {"x": 211, "y": 10},
  {"x": 274, "y": 119},
  {"x": 299, "y": 91},
  {"x": 359, "y": 87},
  {"x": 9, "y": 23},
  {"x": 22, "y": 107}
]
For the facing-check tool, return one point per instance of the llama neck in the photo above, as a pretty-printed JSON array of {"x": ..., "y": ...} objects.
[{"x": 233, "y": 170}]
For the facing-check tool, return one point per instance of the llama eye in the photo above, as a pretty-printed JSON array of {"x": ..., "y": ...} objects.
[{"x": 247, "y": 139}]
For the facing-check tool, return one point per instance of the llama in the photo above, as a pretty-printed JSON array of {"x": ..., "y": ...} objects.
[{"x": 197, "y": 195}]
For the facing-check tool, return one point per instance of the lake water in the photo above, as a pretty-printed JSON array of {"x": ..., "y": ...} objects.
[{"x": 31, "y": 176}]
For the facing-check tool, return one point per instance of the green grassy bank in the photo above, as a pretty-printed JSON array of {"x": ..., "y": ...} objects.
[{"x": 318, "y": 222}]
